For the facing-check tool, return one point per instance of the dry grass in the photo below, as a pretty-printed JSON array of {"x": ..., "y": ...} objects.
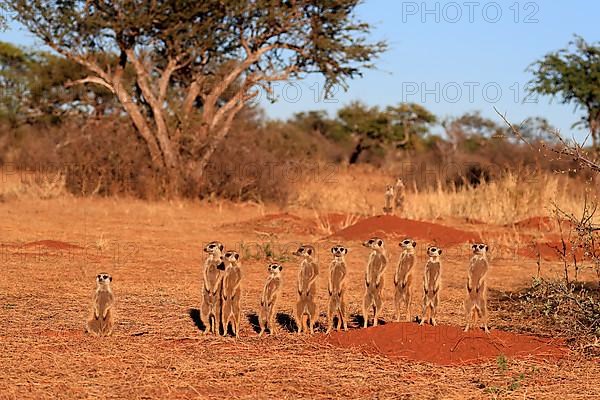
[
  {"x": 153, "y": 252},
  {"x": 513, "y": 197},
  {"x": 34, "y": 185}
]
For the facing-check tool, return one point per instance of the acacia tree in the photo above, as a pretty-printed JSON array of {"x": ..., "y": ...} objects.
[
  {"x": 372, "y": 127},
  {"x": 574, "y": 74},
  {"x": 196, "y": 63}
]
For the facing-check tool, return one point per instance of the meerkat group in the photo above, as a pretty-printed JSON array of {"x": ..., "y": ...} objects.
[
  {"x": 222, "y": 277},
  {"x": 394, "y": 197}
]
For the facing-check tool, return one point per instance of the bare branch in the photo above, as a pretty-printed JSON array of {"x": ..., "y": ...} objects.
[{"x": 91, "y": 79}]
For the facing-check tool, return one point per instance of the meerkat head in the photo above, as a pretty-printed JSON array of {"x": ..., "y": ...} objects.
[
  {"x": 214, "y": 248},
  {"x": 275, "y": 268},
  {"x": 408, "y": 244},
  {"x": 479, "y": 249},
  {"x": 339, "y": 251},
  {"x": 231, "y": 256},
  {"x": 399, "y": 181},
  {"x": 389, "y": 189},
  {"x": 434, "y": 252},
  {"x": 374, "y": 243},
  {"x": 306, "y": 251},
  {"x": 103, "y": 279}
]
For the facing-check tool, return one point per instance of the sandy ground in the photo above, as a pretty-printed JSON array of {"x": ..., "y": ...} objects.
[{"x": 52, "y": 250}]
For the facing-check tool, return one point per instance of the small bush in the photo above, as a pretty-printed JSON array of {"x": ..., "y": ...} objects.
[{"x": 556, "y": 307}]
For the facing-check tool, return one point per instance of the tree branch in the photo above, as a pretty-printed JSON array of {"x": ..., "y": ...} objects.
[{"x": 91, "y": 79}]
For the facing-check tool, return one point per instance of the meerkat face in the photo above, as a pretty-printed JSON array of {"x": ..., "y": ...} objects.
[
  {"x": 389, "y": 189},
  {"x": 231, "y": 256},
  {"x": 374, "y": 243},
  {"x": 339, "y": 251},
  {"x": 399, "y": 182},
  {"x": 103, "y": 279},
  {"x": 305, "y": 251},
  {"x": 433, "y": 251},
  {"x": 275, "y": 269},
  {"x": 214, "y": 248},
  {"x": 408, "y": 244},
  {"x": 479, "y": 248}
]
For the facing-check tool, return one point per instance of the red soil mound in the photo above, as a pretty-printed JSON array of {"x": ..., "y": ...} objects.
[
  {"x": 52, "y": 244},
  {"x": 277, "y": 223},
  {"x": 444, "y": 345},
  {"x": 391, "y": 226},
  {"x": 290, "y": 223}
]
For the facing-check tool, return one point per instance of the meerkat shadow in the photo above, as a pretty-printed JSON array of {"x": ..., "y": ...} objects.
[
  {"x": 286, "y": 321},
  {"x": 194, "y": 314},
  {"x": 358, "y": 320},
  {"x": 253, "y": 321}
]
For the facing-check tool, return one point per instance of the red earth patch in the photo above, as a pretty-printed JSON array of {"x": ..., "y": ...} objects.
[
  {"x": 392, "y": 226},
  {"x": 445, "y": 344}
]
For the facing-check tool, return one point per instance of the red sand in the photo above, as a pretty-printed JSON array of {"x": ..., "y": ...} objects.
[
  {"x": 276, "y": 223},
  {"x": 389, "y": 225},
  {"x": 548, "y": 251},
  {"x": 542, "y": 224},
  {"x": 53, "y": 244},
  {"x": 444, "y": 344}
]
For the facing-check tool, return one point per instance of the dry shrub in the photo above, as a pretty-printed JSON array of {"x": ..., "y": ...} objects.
[
  {"x": 16, "y": 185},
  {"x": 556, "y": 308}
]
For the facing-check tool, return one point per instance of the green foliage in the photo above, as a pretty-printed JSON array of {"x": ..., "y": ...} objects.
[
  {"x": 34, "y": 88},
  {"x": 502, "y": 362},
  {"x": 375, "y": 129},
  {"x": 573, "y": 73}
]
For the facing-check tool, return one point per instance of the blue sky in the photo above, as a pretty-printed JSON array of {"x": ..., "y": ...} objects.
[{"x": 452, "y": 57}]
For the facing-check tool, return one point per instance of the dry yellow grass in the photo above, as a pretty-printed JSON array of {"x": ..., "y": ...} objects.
[{"x": 513, "y": 197}]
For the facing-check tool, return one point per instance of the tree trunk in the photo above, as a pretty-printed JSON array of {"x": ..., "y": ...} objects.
[{"x": 357, "y": 152}]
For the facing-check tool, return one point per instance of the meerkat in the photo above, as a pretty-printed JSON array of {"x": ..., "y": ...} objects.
[
  {"x": 399, "y": 191},
  {"x": 211, "y": 292},
  {"x": 101, "y": 321},
  {"x": 403, "y": 278},
  {"x": 388, "y": 208},
  {"x": 432, "y": 280},
  {"x": 337, "y": 287},
  {"x": 374, "y": 279},
  {"x": 269, "y": 298},
  {"x": 231, "y": 293},
  {"x": 307, "y": 289},
  {"x": 476, "y": 301}
]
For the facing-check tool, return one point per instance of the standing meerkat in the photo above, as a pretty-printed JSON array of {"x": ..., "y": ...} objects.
[
  {"x": 211, "y": 292},
  {"x": 101, "y": 321},
  {"x": 307, "y": 289},
  {"x": 374, "y": 279},
  {"x": 476, "y": 301},
  {"x": 337, "y": 287},
  {"x": 269, "y": 298},
  {"x": 231, "y": 293},
  {"x": 400, "y": 192},
  {"x": 432, "y": 280},
  {"x": 403, "y": 278},
  {"x": 388, "y": 207}
]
